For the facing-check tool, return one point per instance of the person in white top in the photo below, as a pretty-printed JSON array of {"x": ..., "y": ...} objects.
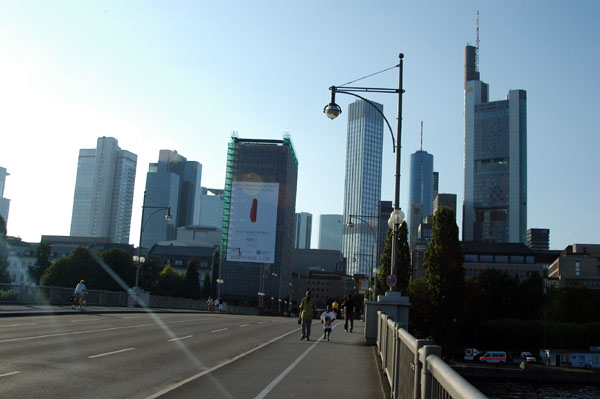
[
  {"x": 80, "y": 290},
  {"x": 327, "y": 318}
]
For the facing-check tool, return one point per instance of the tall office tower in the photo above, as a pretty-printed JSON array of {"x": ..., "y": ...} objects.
[
  {"x": 362, "y": 188},
  {"x": 211, "y": 207},
  {"x": 447, "y": 200},
  {"x": 331, "y": 231},
  {"x": 4, "y": 202},
  {"x": 104, "y": 192},
  {"x": 436, "y": 184},
  {"x": 303, "y": 230},
  {"x": 384, "y": 210},
  {"x": 538, "y": 239},
  {"x": 420, "y": 191},
  {"x": 171, "y": 182},
  {"x": 495, "y": 161},
  {"x": 257, "y": 235}
]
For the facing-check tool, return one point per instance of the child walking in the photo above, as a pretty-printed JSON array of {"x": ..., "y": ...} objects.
[{"x": 327, "y": 318}]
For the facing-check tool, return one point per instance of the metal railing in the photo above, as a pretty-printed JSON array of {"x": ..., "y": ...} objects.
[
  {"x": 414, "y": 367},
  {"x": 36, "y": 295}
]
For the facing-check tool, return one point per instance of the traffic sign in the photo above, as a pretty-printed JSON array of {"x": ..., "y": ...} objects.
[{"x": 391, "y": 281}]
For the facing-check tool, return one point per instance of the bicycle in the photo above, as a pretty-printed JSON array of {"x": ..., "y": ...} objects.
[{"x": 77, "y": 300}]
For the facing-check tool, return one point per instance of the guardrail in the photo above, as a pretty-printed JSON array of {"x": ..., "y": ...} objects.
[
  {"x": 30, "y": 295},
  {"x": 414, "y": 367}
]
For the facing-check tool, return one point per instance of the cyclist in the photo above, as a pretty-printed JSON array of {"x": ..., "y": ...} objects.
[{"x": 80, "y": 291}]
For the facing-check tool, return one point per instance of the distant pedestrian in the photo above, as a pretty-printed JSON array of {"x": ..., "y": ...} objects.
[
  {"x": 216, "y": 304},
  {"x": 336, "y": 309},
  {"x": 80, "y": 291},
  {"x": 209, "y": 303},
  {"x": 327, "y": 318},
  {"x": 221, "y": 305},
  {"x": 349, "y": 309},
  {"x": 307, "y": 311}
]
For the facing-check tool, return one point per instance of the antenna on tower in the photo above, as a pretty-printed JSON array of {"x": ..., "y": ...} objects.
[
  {"x": 477, "y": 44},
  {"x": 421, "y": 135}
]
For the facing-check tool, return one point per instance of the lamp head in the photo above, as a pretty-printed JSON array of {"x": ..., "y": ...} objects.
[
  {"x": 396, "y": 218},
  {"x": 332, "y": 110},
  {"x": 168, "y": 216},
  {"x": 349, "y": 225}
]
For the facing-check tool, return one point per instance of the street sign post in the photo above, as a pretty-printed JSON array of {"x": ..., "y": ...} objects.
[{"x": 391, "y": 281}]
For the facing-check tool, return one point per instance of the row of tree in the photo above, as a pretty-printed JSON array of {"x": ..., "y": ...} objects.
[
  {"x": 490, "y": 309},
  {"x": 114, "y": 270}
]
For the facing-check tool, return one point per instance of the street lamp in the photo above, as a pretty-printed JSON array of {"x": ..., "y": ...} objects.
[
  {"x": 140, "y": 259},
  {"x": 332, "y": 111}
]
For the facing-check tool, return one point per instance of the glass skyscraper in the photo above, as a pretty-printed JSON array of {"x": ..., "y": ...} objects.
[
  {"x": 420, "y": 191},
  {"x": 172, "y": 181},
  {"x": 103, "y": 196},
  {"x": 331, "y": 230},
  {"x": 495, "y": 161},
  {"x": 303, "y": 230},
  {"x": 362, "y": 188}
]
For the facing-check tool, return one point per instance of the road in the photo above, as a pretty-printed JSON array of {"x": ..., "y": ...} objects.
[{"x": 157, "y": 355}]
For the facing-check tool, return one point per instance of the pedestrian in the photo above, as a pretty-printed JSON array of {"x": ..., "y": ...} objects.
[
  {"x": 307, "y": 311},
  {"x": 349, "y": 308},
  {"x": 336, "y": 309},
  {"x": 221, "y": 305},
  {"x": 327, "y": 318},
  {"x": 80, "y": 291},
  {"x": 209, "y": 304},
  {"x": 216, "y": 304}
]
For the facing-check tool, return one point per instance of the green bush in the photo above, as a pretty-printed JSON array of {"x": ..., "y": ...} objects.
[{"x": 8, "y": 296}]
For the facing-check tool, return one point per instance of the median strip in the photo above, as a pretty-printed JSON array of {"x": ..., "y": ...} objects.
[{"x": 111, "y": 353}]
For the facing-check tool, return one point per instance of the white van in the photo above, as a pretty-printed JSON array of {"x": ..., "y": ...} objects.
[{"x": 497, "y": 357}]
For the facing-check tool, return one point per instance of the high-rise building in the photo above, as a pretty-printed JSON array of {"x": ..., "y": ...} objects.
[
  {"x": 362, "y": 188},
  {"x": 171, "y": 182},
  {"x": 447, "y": 200},
  {"x": 103, "y": 196},
  {"x": 211, "y": 207},
  {"x": 331, "y": 231},
  {"x": 303, "y": 230},
  {"x": 420, "y": 191},
  {"x": 495, "y": 161},
  {"x": 436, "y": 184},
  {"x": 538, "y": 239},
  {"x": 257, "y": 235},
  {"x": 4, "y": 202}
]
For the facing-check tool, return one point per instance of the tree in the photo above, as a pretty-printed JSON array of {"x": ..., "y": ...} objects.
[
  {"x": 170, "y": 282},
  {"x": 117, "y": 271},
  {"x": 42, "y": 261},
  {"x": 444, "y": 274},
  {"x": 191, "y": 282},
  {"x": 150, "y": 273},
  {"x": 206, "y": 287},
  {"x": 4, "y": 275},
  {"x": 404, "y": 267}
]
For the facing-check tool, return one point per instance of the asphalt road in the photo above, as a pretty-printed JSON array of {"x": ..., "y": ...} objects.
[{"x": 171, "y": 356}]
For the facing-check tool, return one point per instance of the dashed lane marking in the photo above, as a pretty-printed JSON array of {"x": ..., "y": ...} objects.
[
  {"x": 111, "y": 353},
  {"x": 7, "y": 374},
  {"x": 178, "y": 339}
]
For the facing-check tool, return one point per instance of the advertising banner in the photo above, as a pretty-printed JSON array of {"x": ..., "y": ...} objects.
[
  {"x": 363, "y": 286},
  {"x": 252, "y": 222}
]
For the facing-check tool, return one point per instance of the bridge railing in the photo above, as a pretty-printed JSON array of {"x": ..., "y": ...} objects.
[
  {"x": 414, "y": 367},
  {"x": 32, "y": 295}
]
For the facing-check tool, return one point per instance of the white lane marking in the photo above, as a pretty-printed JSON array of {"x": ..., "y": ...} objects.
[
  {"x": 244, "y": 325},
  {"x": 285, "y": 372},
  {"x": 177, "y": 339},
  {"x": 82, "y": 320},
  {"x": 111, "y": 353},
  {"x": 7, "y": 374},
  {"x": 19, "y": 325},
  {"x": 93, "y": 331},
  {"x": 218, "y": 366},
  {"x": 261, "y": 322},
  {"x": 220, "y": 329}
]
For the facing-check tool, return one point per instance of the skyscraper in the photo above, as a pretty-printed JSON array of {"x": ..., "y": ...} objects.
[
  {"x": 420, "y": 191},
  {"x": 171, "y": 182},
  {"x": 362, "y": 188},
  {"x": 211, "y": 207},
  {"x": 303, "y": 230},
  {"x": 257, "y": 235},
  {"x": 331, "y": 230},
  {"x": 104, "y": 192},
  {"x": 4, "y": 202},
  {"x": 495, "y": 161}
]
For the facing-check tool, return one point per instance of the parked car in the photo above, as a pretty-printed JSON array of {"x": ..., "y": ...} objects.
[
  {"x": 491, "y": 357},
  {"x": 526, "y": 357}
]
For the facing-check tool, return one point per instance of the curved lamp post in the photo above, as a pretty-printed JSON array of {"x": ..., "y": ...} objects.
[
  {"x": 332, "y": 111},
  {"x": 139, "y": 259}
]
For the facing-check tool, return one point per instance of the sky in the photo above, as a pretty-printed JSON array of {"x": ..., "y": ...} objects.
[{"x": 184, "y": 75}]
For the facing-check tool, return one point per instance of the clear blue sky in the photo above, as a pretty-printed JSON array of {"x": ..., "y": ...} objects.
[{"x": 182, "y": 75}]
